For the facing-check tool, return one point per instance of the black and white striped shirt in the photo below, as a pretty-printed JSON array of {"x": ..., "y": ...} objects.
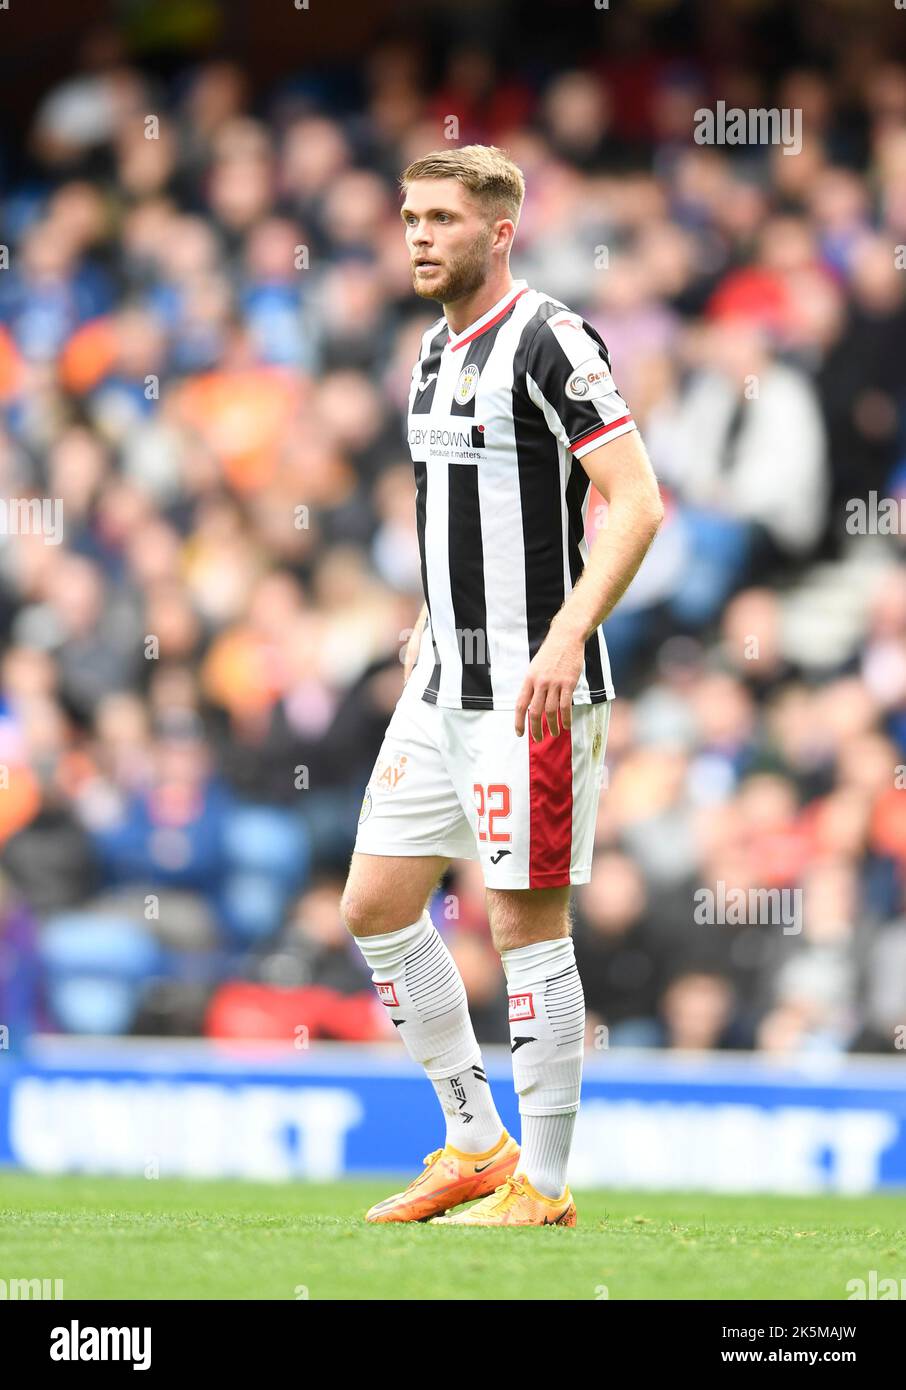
[{"x": 499, "y": 417}]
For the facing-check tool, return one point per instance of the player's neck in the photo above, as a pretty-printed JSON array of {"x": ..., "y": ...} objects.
[{"x": 461, "y": 312}]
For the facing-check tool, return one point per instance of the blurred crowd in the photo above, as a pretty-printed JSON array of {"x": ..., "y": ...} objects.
[{"x": 207, "y": 330}]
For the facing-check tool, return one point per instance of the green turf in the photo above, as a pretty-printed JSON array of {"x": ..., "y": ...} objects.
[{"x": 130, "y": 1238}]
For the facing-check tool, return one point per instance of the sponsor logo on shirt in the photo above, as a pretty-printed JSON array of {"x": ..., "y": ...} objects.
[
  {"x": 590, "y": 381},
  {"x": 458, "y": 444}
]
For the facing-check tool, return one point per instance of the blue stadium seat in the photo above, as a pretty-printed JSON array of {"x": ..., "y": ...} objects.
[
  {"x": 96, "y": 968},
  {"x": 269, "y": 854},
  {"x": 268, "y": 840}
]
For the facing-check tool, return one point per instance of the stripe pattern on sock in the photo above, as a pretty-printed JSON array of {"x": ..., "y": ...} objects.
[
  {"x": 433, "y": 982},
  {"x": 565, "y": 1004}
]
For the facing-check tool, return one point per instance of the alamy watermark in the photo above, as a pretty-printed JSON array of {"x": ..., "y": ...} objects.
[
  {"x": 875, "y": 1287},
  {"x": 81, "y": 1343},
  {"x": 759, "y": 125},
  {"x": 876, "y": 516},
  {"x": 739, "y": 907},
  {"x": 21, "y": 1289},
  {"x": 32, "y": 516}
]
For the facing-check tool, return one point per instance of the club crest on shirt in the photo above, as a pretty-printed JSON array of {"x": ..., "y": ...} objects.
[{"x": 466, "y": 384}]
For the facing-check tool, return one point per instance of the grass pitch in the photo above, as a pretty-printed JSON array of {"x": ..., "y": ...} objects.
[{"x": 169, "y": 1239}]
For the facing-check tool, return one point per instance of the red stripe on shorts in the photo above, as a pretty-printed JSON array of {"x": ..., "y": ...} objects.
[{"x": 550, "y": 809}]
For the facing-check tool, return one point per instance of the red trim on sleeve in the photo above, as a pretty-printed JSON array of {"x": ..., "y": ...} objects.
[{"x": 604, "y": 429}]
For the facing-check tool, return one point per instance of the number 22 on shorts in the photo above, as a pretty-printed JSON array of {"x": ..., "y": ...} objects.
[{"x": 483, "y": 804}]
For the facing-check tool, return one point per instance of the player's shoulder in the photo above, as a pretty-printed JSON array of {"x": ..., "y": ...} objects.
[
  {"x": 542, "y": 305},
  {"x": 431, "y": 337},
  {"x": 431, "y": 333},
  {"x": 551, "y": 329},
  {"x": 546, "y": 318}
]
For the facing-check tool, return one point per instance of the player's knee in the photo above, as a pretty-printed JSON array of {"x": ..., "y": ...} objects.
[
  {"x": 354, "y": 912},
  {"x": 365, "y": 914}
]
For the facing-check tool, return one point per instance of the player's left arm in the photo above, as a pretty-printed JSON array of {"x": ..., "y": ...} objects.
[
  {"x": 622, "y": 473},
  {"x": 568, "y": 379}
]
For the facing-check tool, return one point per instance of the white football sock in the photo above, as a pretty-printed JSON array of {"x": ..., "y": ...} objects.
[
  {"x": 419, "y": 982},
  {"x": 546, "y": 1142},
  {"x": 473, "y": 1124},
  {"x": 547, "y": 1039}
]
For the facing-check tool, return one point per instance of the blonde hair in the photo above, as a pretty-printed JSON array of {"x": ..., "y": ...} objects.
[{"x": 484, "y": 170}]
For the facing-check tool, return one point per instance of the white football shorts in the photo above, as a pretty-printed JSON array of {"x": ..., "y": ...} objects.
[{"x": 462, "y": 784}]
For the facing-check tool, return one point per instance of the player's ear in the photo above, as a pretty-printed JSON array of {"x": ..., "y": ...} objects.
[{"x": 504, "y": 232}]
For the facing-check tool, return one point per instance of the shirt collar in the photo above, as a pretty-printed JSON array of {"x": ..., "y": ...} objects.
[{"x": 455, "y": 340}]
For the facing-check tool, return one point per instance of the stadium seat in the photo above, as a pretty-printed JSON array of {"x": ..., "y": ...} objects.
[
  {"x": 268, "y": 852},
  {"x": 96, "y": 969}
]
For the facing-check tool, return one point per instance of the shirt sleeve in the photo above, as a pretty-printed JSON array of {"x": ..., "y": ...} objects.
[{"x": 568, "y": 378}]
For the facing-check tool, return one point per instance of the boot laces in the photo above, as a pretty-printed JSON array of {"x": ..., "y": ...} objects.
[{"x": 510, "y": 1187}]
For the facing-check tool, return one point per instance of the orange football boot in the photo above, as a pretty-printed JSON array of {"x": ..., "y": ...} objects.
[
  {"x": 450, "y": 1178},
  {"x": 516, "y": 1203}
]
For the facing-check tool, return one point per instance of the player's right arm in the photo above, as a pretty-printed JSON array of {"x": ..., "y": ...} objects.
[{"x": 414, "y": 644}]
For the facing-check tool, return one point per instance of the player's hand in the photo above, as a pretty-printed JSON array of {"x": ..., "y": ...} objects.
[{"x": 547, "y": 691}]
